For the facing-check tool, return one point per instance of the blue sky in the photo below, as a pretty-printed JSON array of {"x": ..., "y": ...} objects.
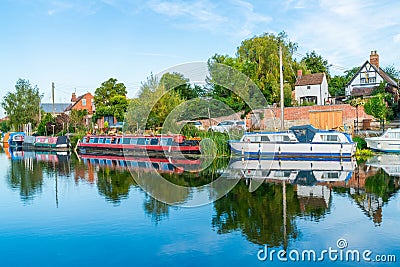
[{"x": 79, "y": 44}]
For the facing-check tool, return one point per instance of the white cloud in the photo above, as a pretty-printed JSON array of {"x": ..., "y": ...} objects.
[
  {"x": 345, "y": 31},
  {"x": 235, "y": 18}
]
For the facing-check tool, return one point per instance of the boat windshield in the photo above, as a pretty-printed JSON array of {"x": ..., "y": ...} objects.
[{"x": 304, "y": 133}]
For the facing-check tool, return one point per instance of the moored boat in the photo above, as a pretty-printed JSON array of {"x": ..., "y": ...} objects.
[
  {"x": 299, "y": 141},
  {"x": 133, "y": 144},
  {"x": 389, "y": 141},
  {"x": 16, "y": 139},
  {"x": 49, "y": 143}
]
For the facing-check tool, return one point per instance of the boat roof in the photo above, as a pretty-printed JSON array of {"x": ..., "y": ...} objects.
[
  {"x": 304, "y": 133},
  {"x": 133, "y": 136}
]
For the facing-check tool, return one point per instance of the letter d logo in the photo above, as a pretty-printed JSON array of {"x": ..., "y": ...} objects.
[{"x": 262, "y": 254}]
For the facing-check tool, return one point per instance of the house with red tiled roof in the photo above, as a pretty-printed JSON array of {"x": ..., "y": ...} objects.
[
  {"x": 85, "y": 101},
  {"x": 311, "y": 88},
  {"x": 368, "y": 78}
]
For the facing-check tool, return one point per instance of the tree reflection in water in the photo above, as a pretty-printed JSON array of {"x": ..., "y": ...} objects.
[{"x": 259, "y": 214}]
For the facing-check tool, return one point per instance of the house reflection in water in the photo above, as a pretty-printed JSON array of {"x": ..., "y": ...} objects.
[{"x": 315, "y": 197}]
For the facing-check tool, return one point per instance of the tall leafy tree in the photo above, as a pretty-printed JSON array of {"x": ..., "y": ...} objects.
[
  {"x": 107, "y": 90},
  {"x": 110, "y": 100},
  {"x": 337, "y": 85},
  {"x": 22, "y": 105},
  {"x": 177, "y": 82},
  {"x": 258, "y": 59},
  {"x": 152, "y": 106},
  {"x": 316, "y": 63},
  {"x": 393, "y": 72}
]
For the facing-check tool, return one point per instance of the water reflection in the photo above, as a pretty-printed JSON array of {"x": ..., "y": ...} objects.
[
  {"x": 28, "y": 167},
  {"x": 265, "y": 205},
  {"x": 273, "y": 193}
]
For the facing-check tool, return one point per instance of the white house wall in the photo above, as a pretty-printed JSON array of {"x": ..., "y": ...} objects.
[{"x": 318, "y": 90}]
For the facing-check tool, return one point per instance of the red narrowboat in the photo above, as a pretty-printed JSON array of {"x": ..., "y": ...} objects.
[{"x": 134, "y": 144}]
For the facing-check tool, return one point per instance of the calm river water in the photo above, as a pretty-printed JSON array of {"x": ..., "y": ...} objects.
[{"x": 59, "y": 210}]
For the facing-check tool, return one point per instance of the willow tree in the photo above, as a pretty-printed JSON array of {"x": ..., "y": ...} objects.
[
  {"x": 258, "y": 59},
  {"x": 22, "y": 106}
]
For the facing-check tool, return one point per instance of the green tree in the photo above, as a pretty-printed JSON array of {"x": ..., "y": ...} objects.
[
  {"x": 77, "y": 118},
  {"x": 259, "y": 60},
  {"x": 349, "y": 74},
  {"x": 377, "y": 107},
  {"x": 110, "y": 100},
  {"x": 393, "y": 72},
  {"x": 42, "y": 128},
  {"x": 337, "y": 85},
  {"x": 22, "y": 106},
  {"x": 316, "y": 63},
  {"x": 152, "y": 106},
  {"x": 108, "y": 90},
  {"x": 4, "y": 126},
  {"x": 177, "y": 82}
]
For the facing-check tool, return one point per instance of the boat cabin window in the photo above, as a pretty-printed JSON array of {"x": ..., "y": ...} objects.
[
  {"x": 393, "y": 135},
  {"x": 166, "y": 141},
  {"x": 282, "y": 138},
  {"x": 101, "y": 140},
  {"x": 108, "y": 141},
  {"x": 142, "y": 165},
  {"x": 126, "y": 141},
  {"x": 264, "y": 138},
  {"x": 155, "y": 165},
  {"x": 93, "y": 140},
  {"x": 330, "y": 138},
  {"x": 282, "y": 174},
  {"x": 252, "y": 138},
  {"x": 134, "y": 141},
  {"x": 154, "y": 141},
  {"x": 331, "y": 175},
  {"x": 141, "y": 141}
]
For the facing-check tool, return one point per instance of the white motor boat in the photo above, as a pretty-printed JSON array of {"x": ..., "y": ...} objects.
[{"x": 299, "y": 141}]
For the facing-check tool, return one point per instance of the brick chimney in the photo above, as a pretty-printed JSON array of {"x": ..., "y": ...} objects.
[
  {"x": 299, "y": 73},
  {"x": 374, "y": 58},
  {"x": 73, "y": 98}
]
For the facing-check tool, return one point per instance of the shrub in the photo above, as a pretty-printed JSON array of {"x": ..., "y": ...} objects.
[{"x": 361, "y": 144}]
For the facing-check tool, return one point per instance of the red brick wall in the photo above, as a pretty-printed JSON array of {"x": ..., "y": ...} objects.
[{"x": 301, "y": 115}]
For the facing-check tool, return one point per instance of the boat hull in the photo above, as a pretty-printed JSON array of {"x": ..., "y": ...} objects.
[
  {"x": 385, "y": 145},
  {"x": 131, "y": 150},
  {"x": 266, "y": 149}
]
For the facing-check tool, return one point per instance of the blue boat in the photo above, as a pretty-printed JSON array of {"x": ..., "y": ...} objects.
[{"x": 16, "y": 139}]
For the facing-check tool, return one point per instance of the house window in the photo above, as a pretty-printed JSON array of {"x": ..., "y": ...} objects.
[
  {"x": 308, "y": 99},
  {"x": 308, "y": 86},
  {"x": 84, "y": 102}
]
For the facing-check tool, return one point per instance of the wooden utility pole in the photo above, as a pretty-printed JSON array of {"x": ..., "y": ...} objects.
[
  {"x": 281, "y": 83},
  {"x": 52, "y": 96}
]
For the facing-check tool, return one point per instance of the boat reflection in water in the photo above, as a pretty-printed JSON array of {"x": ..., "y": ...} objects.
[
  {"x": 297, "y": 171},
  {"x": 390, "y": 163},
  {"x": 142, "y": 163},
  {"x": 18, "y": 154}
]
